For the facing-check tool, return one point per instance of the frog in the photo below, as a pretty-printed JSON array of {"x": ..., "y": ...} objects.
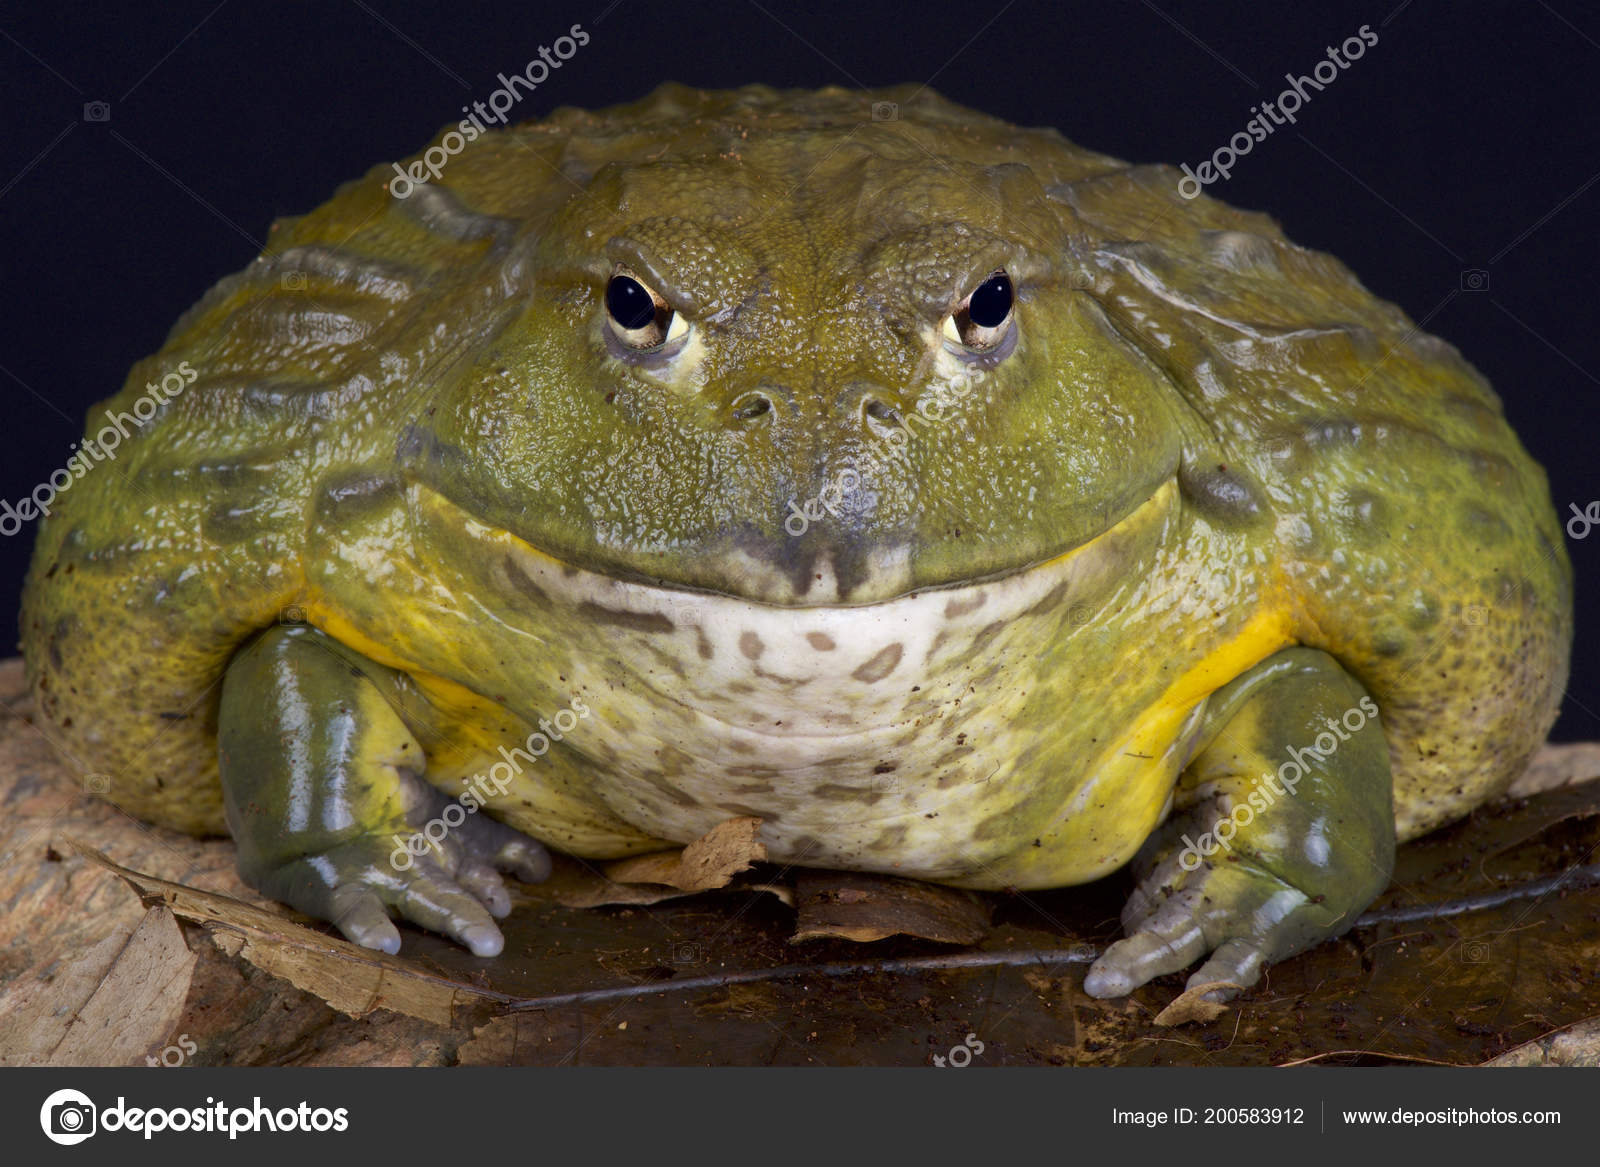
[{"x": 957, "y": 502}]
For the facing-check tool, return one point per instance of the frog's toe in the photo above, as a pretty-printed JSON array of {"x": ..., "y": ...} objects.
[
  {"x": 1129, "y": 963},
  {"x": 362, "y": 918},
  {"x": 502, "y": 848},
  {"x": 1237, "y": 962},
  {"x": 485, "y": 883},
  {"x": 439, "y": 904}
]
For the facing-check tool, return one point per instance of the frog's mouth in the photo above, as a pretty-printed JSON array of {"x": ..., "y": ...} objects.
[
  {"x": 818, "y": 569},
  {"x": 806, "y": 554},
  {"x": 786, "y": 670}
]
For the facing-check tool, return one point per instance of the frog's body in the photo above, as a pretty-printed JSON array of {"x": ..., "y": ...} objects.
[{"x": 1203, "y": 496}]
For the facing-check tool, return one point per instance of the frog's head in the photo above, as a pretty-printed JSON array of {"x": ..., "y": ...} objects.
[{"x": 804, "y": 348}]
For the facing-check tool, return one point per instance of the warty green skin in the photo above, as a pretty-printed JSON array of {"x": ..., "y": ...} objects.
[{"x": 1201, "y": 454}]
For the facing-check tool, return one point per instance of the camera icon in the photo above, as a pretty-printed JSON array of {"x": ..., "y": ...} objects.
[
  {"x": 1474, "y": 952},
  {"x": 687, "y": 952},
  {"x": 97, "y": 111},
  {"x": 885, "y": 111},
  {"x": 97, "y": 783},
  {"x": 72, "y": 1118},
  {"x": 1475, "y": 615},
  {"x": 1079, "y": 614},
  {"x": 68, "y": 1117},
  {"x": 1474, "y": 279},
  {"x": 293, "y": 614},
  {"x": 293, "y": 281}
]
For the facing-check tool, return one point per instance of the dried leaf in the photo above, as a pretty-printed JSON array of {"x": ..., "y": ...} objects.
[
  {"x": 600, "y": 892},
  {"x": 114, "y": 1005},
  {"x": 596, "y": 891},
  {"x": 1192, "y": 1005},
  {"x": 1576, "y": 1045},
  {"x": 1558, "y": 806},
  {"x": 352, "y": 979},
  {"x": 858, "y": 906},
  {"x": 710, "y": 861},
  {"x": 1558, "y": 765},
  {"x": 782, "y": 890}
]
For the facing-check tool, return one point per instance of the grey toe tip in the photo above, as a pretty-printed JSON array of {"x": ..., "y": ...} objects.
[
  {"x": 1106, "y": 983},
  {"x": 388, "y": 944},
  {"x": 484, "y": 940}
]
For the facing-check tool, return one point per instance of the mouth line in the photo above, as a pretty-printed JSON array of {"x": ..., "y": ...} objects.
[{"x": 633, "y": 576}]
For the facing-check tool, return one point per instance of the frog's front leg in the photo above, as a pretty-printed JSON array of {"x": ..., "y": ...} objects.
[
  {"x": 322, "y": 783},
  {"x": 1282, "y": 832}
]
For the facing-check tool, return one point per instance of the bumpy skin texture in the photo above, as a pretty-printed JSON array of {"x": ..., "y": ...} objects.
[{"x": 1202, "y": 447}]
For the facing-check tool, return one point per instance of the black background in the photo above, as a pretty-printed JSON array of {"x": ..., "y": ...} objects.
[{"x": 1467, "y": 138}]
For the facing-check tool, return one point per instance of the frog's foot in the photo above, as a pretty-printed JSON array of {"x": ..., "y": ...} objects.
[
  {"x": 1230, "y": 906},
  {"x": 445, "y": 880},
  {"x": 321, "y": 780},
  {"x": 1286, "y": 833}
]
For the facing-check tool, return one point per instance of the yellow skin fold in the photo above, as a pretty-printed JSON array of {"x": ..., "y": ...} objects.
[{"x": 1208, "y": 494}]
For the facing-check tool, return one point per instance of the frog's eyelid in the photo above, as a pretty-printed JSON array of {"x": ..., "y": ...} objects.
[
  {"x": 643, "y": 266},
  {"x": 644, "y": 281}
]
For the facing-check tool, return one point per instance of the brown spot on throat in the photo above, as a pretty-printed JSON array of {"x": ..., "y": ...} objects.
[
  {"x": 961, "y": 607},
  {"x": 881, "y": 665}
]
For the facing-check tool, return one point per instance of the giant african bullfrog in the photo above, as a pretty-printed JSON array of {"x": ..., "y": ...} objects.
[{"x": 964, "y": 504}]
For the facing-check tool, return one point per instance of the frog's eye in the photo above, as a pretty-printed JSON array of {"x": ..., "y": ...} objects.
[
  {"x": 638, "y": 314},
  {"x": 980, "y": 321}
]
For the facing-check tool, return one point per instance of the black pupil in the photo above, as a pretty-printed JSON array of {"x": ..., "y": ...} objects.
[
  {"x": 991, "y": 302},
  {"x": 631, "y": 306}
]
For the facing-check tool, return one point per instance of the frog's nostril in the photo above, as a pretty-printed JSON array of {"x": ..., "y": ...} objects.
[
  {"x": 750, "y": 406},
  {"x": 880, "y": 410}
]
